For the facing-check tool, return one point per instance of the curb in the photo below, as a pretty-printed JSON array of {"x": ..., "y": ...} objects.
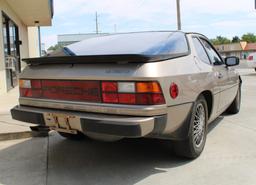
[
  {"x": 15, "y": 135},
  {"x": 22, "y": 135}
]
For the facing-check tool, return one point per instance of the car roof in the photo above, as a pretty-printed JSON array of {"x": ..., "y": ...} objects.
[{"x": 195, "y": 33}]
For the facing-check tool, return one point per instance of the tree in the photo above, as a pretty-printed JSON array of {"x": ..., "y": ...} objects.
[
  {"x": 55, "y": 47},
  {"x": 236, "y": 39},
  {"x": 220, "y": 40},
  {"x": 249, "y": 37}
]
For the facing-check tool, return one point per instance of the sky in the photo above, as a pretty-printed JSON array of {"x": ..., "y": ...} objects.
[{"x": 209, "y": 17}]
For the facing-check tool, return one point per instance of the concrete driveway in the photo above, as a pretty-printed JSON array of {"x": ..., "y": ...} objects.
[{"x": 229, "y": 157}]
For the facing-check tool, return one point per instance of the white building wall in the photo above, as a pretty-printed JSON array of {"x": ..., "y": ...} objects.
[
  {"x": 23, "y": 34},
  {"x": 33, "y": 42}
]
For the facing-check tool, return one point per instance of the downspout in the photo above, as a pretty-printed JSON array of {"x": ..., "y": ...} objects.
[{"x": 39, "y": 41}]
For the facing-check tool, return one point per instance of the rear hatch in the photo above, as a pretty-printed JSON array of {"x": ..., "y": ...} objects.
[{"x": 102, "y": 71}]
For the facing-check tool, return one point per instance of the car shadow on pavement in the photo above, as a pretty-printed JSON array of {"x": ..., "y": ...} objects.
[
  {"x": 126, "y": 162},
  {"x": 23, "y": 162},
  {"x": 56, "y": 160},
  {"x": 215, "y": 123}
]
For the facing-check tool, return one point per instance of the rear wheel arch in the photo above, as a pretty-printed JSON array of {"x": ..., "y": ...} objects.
[
  {"x": 240, "y": 79},
  {"x": 209, "y": 100}
]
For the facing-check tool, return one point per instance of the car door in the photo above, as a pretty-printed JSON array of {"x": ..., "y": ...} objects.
[
  {"x": 202, "y": 56},
  {"x": 221, "y": 74}
]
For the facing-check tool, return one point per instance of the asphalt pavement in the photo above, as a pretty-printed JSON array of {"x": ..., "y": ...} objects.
[{"x": 229, "y": 157}]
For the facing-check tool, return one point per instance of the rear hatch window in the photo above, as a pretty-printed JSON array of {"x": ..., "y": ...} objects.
[{"x": 143, "y": 43}]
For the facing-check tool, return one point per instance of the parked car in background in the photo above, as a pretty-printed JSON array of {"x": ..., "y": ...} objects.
[
  {"x": 251, "y": 61},
  {"x": 164, "y": 85}
]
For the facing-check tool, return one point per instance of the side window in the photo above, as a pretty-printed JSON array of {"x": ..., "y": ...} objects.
[
  {"x": 214, "y": 57},
  {"x": 201, "y": 51}
]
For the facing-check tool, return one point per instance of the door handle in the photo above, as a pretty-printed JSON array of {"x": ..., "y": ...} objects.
[{"x": 220, "y": 75}]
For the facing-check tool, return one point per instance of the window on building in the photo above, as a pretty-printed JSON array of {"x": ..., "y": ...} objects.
[{"x": 11, "y": 50}]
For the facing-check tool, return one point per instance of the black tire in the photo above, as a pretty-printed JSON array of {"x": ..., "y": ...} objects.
[
  {"x": 255, "y": 69},
  {"x": 78, "y": 136},
  {"x": 190, "y": 147},
  {"x": 234, "y": 108}
]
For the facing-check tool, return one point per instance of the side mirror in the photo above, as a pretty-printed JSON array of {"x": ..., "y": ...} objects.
[{"x": 232, "y": 61}]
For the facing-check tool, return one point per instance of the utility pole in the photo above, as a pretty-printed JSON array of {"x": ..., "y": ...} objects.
[
  {"x": 178, "y": 15},
  {"x": 97, "y": 25}
]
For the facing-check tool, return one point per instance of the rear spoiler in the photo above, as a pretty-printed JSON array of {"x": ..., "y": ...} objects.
[{"x": 100, "y": 59}]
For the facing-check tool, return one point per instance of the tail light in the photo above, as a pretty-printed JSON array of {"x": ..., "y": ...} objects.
[
  {"x": 134, "y": 93},
  {"x": 61, "y": 90},
  {"x": 250, "y": 58},
  {"x": 114, "y": 92},
  {"x": 174, "y": 90}
]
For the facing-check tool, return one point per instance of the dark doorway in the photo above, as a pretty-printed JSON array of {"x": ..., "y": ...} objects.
[{"x": 11, "y": 51}]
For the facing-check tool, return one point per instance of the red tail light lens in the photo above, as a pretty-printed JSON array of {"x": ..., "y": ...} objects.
[
  {"x": 127, "y": 98},
  {"x": 25, "y": 92},
  {"x": 130, "y": 93},
  {"x": 150, "y": 99},
  {"x": 250, "y": 57},
  {"x": 174, "y": 91},
  {"x": 110, "y": 97},
  {"x": 109, "y": 86},
  {"x": 36, "y": 84}
]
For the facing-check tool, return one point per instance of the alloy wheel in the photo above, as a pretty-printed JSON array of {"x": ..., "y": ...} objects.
[{"x": 199, "y": 126}]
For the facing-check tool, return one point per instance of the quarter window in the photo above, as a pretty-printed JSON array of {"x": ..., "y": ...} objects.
[
  {"x": 214, "y": 57},
  {"x": 201, "y": 51}
]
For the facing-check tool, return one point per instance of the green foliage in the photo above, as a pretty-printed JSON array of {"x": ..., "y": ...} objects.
[
  {"x": 236, "y": 39},
  {"x": 249, "y": 37},
  {"x": 55, "y": 47},
  {"x": 220, "y": 40}
]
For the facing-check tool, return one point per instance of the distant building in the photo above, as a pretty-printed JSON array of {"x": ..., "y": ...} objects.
[
  {"x": 250, "y": 48},
  {"x": 67, "y": 39},
  {"x": 240, "y": 50}
]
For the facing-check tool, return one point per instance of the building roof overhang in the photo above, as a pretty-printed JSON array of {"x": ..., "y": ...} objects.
[{"x": 33, "y": 12}]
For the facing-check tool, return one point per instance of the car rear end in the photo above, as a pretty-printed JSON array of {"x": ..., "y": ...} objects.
[{"x": 108, "y": 93}]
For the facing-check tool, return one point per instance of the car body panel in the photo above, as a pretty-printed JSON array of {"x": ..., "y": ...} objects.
[{"x": 192, "y": 76}]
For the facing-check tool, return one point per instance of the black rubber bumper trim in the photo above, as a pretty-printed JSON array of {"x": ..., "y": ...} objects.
[
  {"x": 105, "y": 127},
  {"x": 92, "y": 125},
  {"x": 27, "y": 116},
  {"x": 183, "y": 131}
]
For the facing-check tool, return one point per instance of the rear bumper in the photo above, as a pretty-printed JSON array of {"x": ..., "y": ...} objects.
[{"x": 116, "y": 125}]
